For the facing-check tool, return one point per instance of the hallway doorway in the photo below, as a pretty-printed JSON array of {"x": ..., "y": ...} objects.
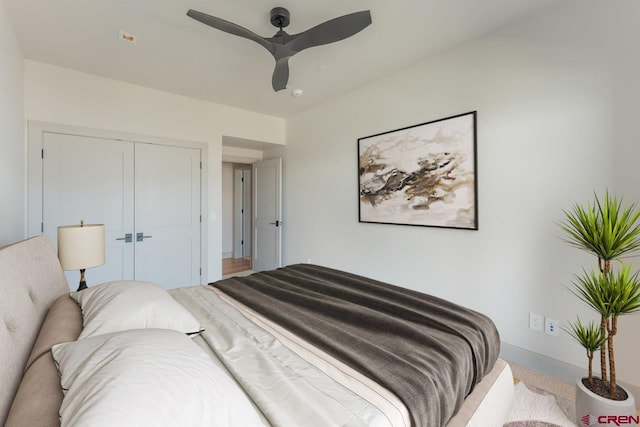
[{"x": 236, "y": 225}]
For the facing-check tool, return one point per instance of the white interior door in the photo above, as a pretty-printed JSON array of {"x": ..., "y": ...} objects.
[
  {"x": 267, "y": 215},
  {"x": 167, "y": 219},
  {"x": 90, "y": 179}
]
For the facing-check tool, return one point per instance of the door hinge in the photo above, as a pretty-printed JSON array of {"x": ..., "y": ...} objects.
[
  {"x": 201, "y": 272},
  {"x": 200, "y": 165},
  {"x": 200, "y": 219},
  {"x": 42, "y": 154},
  {"x": 242, "y": 242},
  {"x": 42, "y": 227}
]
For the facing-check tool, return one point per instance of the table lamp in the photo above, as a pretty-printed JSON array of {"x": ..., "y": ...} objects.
[{"x": 81, "y": 247}]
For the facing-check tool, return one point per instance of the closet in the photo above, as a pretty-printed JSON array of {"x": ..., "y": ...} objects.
[{"x": 148, "y": 195}]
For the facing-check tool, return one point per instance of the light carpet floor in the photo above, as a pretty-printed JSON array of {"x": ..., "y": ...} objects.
[{"x": 540, "y": 401}]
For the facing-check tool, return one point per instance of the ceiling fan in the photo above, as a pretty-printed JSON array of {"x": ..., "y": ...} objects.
[{"x": 282, "y": 45}]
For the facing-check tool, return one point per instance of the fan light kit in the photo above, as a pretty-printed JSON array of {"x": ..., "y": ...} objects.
[
  {"x": 283, "y": 45},
  {"x": 296, "y": 93}
]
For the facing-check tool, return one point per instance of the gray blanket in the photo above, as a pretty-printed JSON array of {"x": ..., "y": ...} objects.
[{"x": 428, "y": 351}]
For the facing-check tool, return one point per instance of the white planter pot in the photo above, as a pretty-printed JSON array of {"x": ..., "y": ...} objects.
[{"x": 594, "y": 410}]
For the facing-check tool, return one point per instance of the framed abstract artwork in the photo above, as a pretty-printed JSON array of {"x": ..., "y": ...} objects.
[{"x": 421, "y": 175}]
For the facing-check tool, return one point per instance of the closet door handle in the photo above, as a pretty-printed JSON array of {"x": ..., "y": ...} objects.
[
  {"x": 128, "y": 238},
  {"x": 140, "y": 237}
]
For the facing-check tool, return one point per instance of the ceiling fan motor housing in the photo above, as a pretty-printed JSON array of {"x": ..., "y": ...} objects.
[{"x": 280, "y": 17}]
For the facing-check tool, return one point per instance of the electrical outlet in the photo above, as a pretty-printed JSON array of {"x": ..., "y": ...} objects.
[
  {"x": 551, "y": 326},
  {"x": 535, "y": 322}
]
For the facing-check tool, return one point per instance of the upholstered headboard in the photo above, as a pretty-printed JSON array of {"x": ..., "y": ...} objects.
[{"x": 30, "y": 280}]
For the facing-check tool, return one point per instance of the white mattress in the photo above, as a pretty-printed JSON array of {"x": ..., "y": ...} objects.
[{"x": 294, "y": 383}]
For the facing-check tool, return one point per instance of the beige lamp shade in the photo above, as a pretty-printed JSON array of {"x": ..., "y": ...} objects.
[{"x": 81, "y": 246}]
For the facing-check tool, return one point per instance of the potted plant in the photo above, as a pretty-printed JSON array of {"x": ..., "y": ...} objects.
[{"x": 609, "y": 231}]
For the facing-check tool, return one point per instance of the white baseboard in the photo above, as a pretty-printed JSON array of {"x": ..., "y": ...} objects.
[
  {"x": 555, "y": 368},
  {"x": 541, "y": 363}
]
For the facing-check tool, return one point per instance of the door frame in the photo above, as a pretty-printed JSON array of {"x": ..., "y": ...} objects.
[{"x": 35, "y": 138}]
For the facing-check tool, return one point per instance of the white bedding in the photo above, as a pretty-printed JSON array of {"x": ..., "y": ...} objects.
[
  {"x": 125, "y": 304},
  {"x": 293, "y": 384},
  {"x": 288, "y": 390},
  {"x": 146, "y": 377},
  {"x": 388, "y": 403}
]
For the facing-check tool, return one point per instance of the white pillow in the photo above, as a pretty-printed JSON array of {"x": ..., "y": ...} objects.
[
  {"x": 124, "y": 305},
  {"x": 147, "y": 377}
]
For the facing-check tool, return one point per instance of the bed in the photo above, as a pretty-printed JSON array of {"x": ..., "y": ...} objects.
[{"x": 129, "y": 353}]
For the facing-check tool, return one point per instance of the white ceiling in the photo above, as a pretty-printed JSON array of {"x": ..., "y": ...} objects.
[{"x": 177, "y": 54}]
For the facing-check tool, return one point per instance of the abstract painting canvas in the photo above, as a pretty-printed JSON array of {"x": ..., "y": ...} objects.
[{"x": 421, "y": 175}]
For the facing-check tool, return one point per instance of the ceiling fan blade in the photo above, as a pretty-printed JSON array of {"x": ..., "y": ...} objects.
[
  {"x": 280, "y": 74},
  {"x": 231, "y": 28},
  {"x": 330, "y": 31}
]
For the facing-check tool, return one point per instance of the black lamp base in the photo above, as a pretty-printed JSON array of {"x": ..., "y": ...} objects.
[{"x": 83, "y": 282}]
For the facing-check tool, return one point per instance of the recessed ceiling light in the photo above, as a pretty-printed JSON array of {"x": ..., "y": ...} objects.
[
  {"x": 322, "y": 67},
  {"x": 127, "y": 37},
  {"x": 296, "y": 93}
]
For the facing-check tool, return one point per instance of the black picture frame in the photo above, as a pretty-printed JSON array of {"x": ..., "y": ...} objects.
[{"x": 421, "y": 175}]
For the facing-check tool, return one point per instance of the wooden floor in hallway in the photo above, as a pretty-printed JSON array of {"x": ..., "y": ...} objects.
[{"x": 235, "y": 265}]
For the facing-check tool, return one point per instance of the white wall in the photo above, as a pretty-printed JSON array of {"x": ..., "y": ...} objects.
[
  {"x": 547, "y": 128},
  {"x": 68, "y": 97},
  {"x": 627, "y": 161},
  {"x": 12, "y": 160},
  {"x": 240, "y": 155},
  {"x": 227, "y": 210}
]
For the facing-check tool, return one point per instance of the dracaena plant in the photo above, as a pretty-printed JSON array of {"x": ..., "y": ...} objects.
[
  {"x": 588, "y": 336},
  {"x": 608, "y": 230}
]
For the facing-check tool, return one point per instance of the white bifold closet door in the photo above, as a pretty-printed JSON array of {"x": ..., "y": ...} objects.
[
  {"x": 147, "y": 195},
  {"x": 167, "y": 215}
]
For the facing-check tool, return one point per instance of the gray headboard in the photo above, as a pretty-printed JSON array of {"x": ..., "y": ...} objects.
[{"x": 30, "y": 280}]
